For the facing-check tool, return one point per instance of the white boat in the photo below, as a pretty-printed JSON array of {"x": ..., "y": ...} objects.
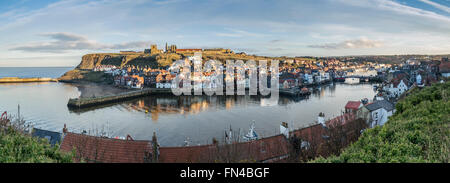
[
  {"x": 251, "y": 135},
  {"x": 352, "y": 80}
]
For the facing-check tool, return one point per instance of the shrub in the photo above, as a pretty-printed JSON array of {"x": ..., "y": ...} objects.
[{"x": 419, "y": 131}]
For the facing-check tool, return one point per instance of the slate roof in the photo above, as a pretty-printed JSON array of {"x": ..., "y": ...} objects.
[
  {"x": 107, "y": 150},
  {"x": 380, "y": 104},
  {"x": 52, "y": 137}
]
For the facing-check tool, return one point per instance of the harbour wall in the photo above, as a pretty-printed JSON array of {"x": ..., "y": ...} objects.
[{"x": 25, "y": 80}]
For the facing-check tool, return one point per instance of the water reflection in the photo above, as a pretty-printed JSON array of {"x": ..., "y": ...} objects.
[
  {"x": 156, "y": 105},
  {"x": 199, "y": 118}
]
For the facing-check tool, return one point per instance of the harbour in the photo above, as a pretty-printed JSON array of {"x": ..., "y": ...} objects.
[{"x": 175, "y": 119}]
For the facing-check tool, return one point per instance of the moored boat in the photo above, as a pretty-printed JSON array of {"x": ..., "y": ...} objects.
[
  {"x": 352, "y": 80},
  {"x": 251, "y": 135}
]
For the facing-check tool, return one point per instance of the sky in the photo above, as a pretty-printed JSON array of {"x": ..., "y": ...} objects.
[{"x": 40, "y": 33}]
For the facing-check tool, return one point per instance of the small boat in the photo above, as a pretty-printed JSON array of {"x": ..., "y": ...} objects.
[
  {"x": 305, "y": 90},
  {"x": 352, "y": 80},
  {"x": 251, "y": 135}
]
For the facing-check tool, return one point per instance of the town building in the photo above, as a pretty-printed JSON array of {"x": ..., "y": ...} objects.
[
  {"x": 396, "y": 88},
  {"x": 352, "y": 106},
  {"x": 444, "y": 69},
  {"x": 376, "y": 113}
]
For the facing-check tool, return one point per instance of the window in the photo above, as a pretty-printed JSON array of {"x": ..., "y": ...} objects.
[
  {"x": 263, "y": 147},
  {"x": 48, "y": 138}
]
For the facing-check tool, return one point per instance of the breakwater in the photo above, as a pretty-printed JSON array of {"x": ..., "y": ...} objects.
[
  {"x": 25, "y": 80},
  {"x": 92, "y": 101},
  {"x": 82, "y": 103}
]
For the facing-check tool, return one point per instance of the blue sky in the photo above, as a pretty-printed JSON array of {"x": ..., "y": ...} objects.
[{"x": 58, "y": 33}]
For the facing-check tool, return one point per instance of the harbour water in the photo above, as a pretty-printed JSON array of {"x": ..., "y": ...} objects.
[
  {"x": 33, "y": 72},
  {"x": 174, "y": 119}
]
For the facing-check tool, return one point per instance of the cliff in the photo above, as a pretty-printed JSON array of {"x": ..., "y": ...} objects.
[
  {"x": 83, "y": 72},
  {"x": 89, "y": 61}
]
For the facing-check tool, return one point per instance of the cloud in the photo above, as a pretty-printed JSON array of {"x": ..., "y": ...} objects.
[
  {"x": 437, "y": 5},
  {"x": 388, "y": 5},
  {"x": 239, "y": 33},
  {"x": 350, "y": 44},
  {"x": 275, "y": 41},
  {"x": 63, "y": 42}
]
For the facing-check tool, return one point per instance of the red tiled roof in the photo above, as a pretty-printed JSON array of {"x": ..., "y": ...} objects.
[
  {"x": 312, "y": 134},
  {"x": 352, "y": 104},
  {"x": 341, "y": 120},
  {"x": 397, "y": 80},
  {"x": 263, "y": 150},
  {"x": 191, "y": 154},
  {"x": 444, "y": 67},
  {"x": 106, "y": 150},
  {"x": 189, "y": 50}
]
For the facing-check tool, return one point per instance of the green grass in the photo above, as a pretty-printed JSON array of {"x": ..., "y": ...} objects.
[
  {"x": 16, "y": 147},
  {"x": 419, "y": 131}
]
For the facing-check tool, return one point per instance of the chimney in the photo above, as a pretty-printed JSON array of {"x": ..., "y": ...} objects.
[
  {"x": 65, "y": 129},
  {"x": 321, "y": 119},
  {"x": 284, "y": 129}
]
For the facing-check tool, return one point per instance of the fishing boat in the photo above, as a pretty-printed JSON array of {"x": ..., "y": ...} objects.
[
  {"x": 352, "y": 80},
  {"x": 251, "y": 135}
]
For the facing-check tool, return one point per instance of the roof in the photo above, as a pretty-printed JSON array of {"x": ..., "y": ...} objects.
[
  {"x": 353, "y": 105},
  {"x": 189, "y": 49},
  {"x": 107, "y": 150},
  {"x": 396, "y": 82},
  {"x": 341, "y": 120},
  {"x": 312, "y": 134},
  {"x": 444, "y": 67},
  {"x": 380, "y": 104},
  {"x": 262, "y": 150},
  {"x": 191, "y": 154},
  {"x": 52, "y": 137}
]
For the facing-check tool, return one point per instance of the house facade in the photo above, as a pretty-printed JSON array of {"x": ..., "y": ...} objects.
[
  {"x": 376, "y": 113},
  {"x": 396, "y": 88}
]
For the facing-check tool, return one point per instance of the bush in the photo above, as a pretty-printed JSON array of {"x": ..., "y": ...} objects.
[
  {"x": 419, "y": 131},
  {"x": 16, "y": 147}
]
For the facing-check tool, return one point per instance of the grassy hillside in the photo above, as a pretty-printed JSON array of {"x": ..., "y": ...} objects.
[
  {"x": 88, "y": 76},
  {"x": 419, "y": 131}
]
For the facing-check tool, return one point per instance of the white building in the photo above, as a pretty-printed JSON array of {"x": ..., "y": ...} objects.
[
  {"x": 377, "y": 113},
  {"x": 309, "y": 78},
  {"x": 363, "y": 73},
  {"x": 166, "y": 85},
  {"x": 396, "y": 89},
  {"x": 318, "y": 79},
  {"x": 419, "y": 79}
]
